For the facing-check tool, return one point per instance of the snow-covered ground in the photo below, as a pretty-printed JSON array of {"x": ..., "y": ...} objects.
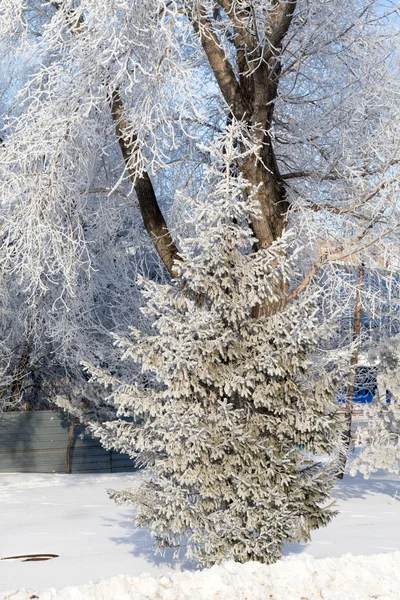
[
  {"x": 345, "y": 578},
  {"x": 71, "y": 515}
]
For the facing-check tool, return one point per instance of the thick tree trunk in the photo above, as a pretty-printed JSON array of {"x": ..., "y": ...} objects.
[
  {"x": 272, "y": 198},
  {"x": 352, "y": 384}
]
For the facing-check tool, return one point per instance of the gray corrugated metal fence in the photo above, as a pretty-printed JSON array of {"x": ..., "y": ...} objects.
[{"x": 36, "y": 442}]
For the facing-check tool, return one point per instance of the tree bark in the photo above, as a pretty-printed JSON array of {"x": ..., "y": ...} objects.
[{"x": 153, "y": 218}]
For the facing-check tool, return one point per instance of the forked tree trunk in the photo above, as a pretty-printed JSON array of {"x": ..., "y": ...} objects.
[
  {"x": 249, "y": 81},
  {"x": 250, "y": 95},
  {"x": 353, "y": 373}
]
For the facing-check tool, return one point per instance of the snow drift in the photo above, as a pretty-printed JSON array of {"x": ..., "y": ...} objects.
[{"x": 358, "y": 578}]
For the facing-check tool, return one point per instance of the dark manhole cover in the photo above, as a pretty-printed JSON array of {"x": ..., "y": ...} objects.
[{"x": 31, "y": 557}]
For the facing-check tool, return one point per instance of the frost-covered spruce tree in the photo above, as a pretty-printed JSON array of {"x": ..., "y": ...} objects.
[{"x": 225, "y": 404}]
